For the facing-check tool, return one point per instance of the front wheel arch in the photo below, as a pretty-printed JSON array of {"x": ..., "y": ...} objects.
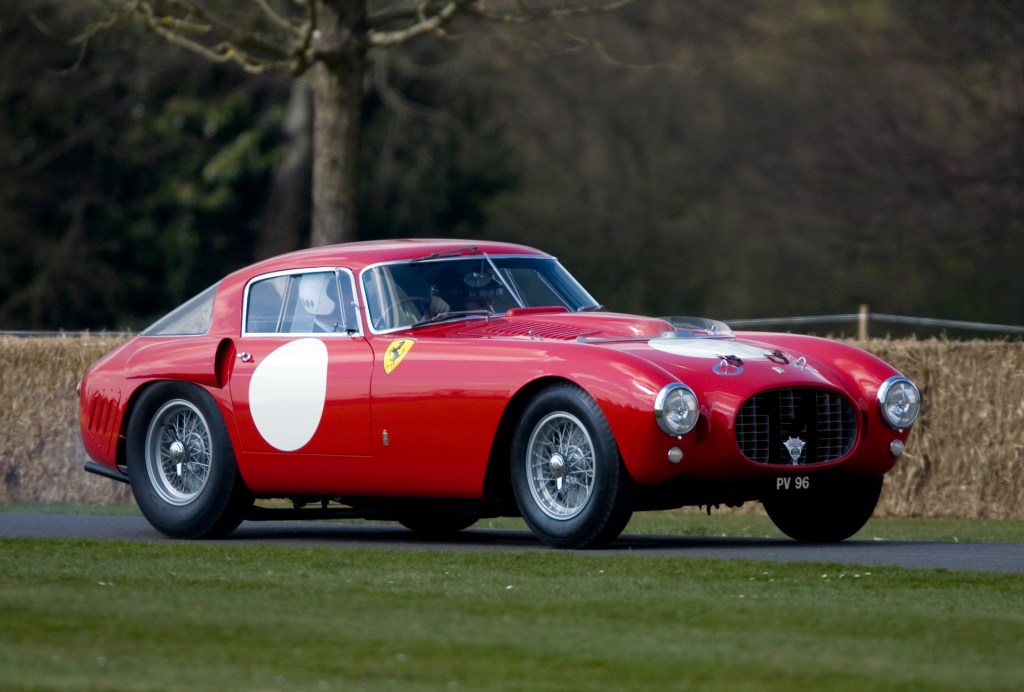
[
  {"x": 497, "y": 481},
  {"x": 579, "y": 494}
]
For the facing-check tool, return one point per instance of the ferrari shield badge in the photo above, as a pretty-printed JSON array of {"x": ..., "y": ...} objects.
[{"x": 395, "y": 353}]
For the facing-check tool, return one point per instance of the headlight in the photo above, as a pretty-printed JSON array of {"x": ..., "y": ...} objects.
[
  {"x": 899, "y": 401},
  {"x": 676, "y": 409}
]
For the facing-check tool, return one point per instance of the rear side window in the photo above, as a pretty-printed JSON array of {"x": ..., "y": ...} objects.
[
  {"x": 309, "y": 302},
  {"x": 265, "y": 305},
  {"x": 192, "y": 318}
]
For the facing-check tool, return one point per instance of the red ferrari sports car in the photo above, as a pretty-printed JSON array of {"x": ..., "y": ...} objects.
[{"x": 435, "y": 382}]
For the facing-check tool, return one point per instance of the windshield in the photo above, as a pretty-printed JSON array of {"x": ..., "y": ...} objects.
[{"x": 403, "y": 294}]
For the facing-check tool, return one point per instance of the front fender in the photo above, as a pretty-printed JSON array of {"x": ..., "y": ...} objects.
[{"x": 625, "y": 387}]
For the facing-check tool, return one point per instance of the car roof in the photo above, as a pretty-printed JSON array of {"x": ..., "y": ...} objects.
[{"x": 358, "y": 255}]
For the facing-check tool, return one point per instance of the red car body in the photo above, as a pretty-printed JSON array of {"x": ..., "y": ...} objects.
[{"x": 351, "y": 394}]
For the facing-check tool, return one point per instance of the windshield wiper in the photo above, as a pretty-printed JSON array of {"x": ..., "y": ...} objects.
[
  {"x": 452, "y": 315},
  {"x": 459, "y": 252},
  {"x": 590, "y": 308}
]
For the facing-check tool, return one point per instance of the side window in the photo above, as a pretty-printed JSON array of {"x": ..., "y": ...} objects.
[
  {"x": 377, "y": 294},
  {"x": 347, "y": 305},
  {"x": 397, "y": 295},
  {"x": 266, "y": 299},
  {"x": 313, "y": 304},
  {"x": 319, "y": 302}
]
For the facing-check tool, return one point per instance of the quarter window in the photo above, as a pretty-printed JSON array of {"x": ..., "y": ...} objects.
[{"x": 192, "y": 318}]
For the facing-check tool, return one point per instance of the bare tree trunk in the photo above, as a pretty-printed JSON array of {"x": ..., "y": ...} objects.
[
  {"x": 287, "y": 213},
  {"x": 337, "y": 82}
]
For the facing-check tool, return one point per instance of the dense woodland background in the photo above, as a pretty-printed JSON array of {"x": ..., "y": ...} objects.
[{"x": 733, "y": 159}]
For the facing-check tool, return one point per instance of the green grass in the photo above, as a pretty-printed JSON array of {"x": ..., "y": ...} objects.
[{"x": 178, "y": 615}]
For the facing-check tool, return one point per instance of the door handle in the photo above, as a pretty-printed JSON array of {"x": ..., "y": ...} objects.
[{"x": 245, "y": 357}]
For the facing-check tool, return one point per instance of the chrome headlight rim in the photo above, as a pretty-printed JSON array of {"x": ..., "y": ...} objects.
[
  {"x": 667, "y": 409},
  {"x": 890, "y": 406}
]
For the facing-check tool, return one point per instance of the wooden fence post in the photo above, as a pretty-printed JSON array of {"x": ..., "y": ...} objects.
[{"x": 862, "y": 322}]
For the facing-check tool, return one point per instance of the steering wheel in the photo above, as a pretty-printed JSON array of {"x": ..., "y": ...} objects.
[{"x": 384, "y": 321}]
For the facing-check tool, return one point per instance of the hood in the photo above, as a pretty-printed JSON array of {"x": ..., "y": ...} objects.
[
  {"x": 686, "y": 347},
  {"x": 561, "y": 325},
  {"x": 727, "y": 357}
]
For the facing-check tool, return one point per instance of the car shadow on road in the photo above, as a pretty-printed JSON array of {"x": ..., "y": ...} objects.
[{"x": 322, "y": 533}]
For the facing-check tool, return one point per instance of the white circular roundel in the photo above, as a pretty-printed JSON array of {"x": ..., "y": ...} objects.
[
  {"x": 287, "y": 393},
  {"x": 708, "y": 348}
]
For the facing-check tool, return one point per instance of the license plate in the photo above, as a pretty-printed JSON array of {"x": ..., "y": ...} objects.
[{"x": 792, "y": 483}]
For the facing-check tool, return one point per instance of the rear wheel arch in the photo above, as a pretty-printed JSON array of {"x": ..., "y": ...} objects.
[
  {"x": 137, "y": 394},
  {"x": 222, "y": 498},
  {"x": 129, "y": 411}
]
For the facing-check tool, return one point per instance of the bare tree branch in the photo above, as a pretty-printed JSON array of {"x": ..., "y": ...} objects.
[
  {"x": 274, "y": 16},
  {"x": 404, "y": 14},
  {"x": 253, "y": 52},
  {"x": 525, "y": 15},
  {"x": 430, "y": 16},
  {"x": 425, "y": 23},
  {"x": 81, "y": 40},
  {"x": 302, "y": 51},
  {"x": 398, "y": 102},
  {"x": 197, "y": 27}
]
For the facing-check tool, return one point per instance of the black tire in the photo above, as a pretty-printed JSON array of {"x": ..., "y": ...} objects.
[
  {"x": 834, "y": 509},
  {"x": 567, "y": 477},
  {"x": 435, "y": 525},
  {"x": 181, "y": 465}
]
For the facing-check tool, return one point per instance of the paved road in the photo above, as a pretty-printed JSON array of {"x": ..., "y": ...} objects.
[{"x": 984, "y": 557}]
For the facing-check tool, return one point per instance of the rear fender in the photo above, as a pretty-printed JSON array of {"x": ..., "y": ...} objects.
[
  {"x": 204, "y": 362},
  {"x": 201, "y": 360}
]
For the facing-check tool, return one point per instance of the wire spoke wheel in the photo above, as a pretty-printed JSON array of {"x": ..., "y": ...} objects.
[
  {"x": 178, "y": 452},
  {"x": 181, "y": 464},
  {"x": 561, "y": 465},
  {"x": 568, "y": 479}
]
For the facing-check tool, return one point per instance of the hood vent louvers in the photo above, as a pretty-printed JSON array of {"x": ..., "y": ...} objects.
[{"x": 533, "y": 330}]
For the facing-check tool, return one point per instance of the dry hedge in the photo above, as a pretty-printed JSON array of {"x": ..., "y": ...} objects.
[
  {"x": 964, "y": 458},
  {"x": 41, "y": 454},
  {"x": 966, "y": 454}
]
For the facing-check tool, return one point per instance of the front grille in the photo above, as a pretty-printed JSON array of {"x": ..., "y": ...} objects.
[{"x": 824, "y": 422}]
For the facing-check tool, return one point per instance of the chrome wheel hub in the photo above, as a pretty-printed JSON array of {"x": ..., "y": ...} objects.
[
  {"x": 178, "y": 452},
  {"x": 556, "y": 466},
  {"x": 560, "y": 465}
]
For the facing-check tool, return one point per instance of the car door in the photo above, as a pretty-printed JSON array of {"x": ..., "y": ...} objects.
[{"x": 300, "y": 380}]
